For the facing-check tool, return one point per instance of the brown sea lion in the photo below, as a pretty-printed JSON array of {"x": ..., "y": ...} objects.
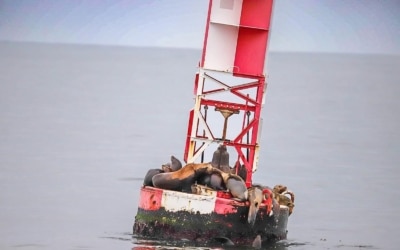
[
  {"x": 280, "y": 192},
  {"x": 279, "y": 188},
  {"x": 182, "y": 179},
  {"x": 282, "y": 199}
]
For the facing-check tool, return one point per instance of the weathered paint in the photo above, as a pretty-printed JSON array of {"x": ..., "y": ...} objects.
[
  {"x": 229, "y": 220},
  {"x": 177, "y": 201},
  {"x": 151, "y": 199}
]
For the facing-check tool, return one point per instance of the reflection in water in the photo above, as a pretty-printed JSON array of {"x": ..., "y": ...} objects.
[
  {"x": 140, "y": 244},
  {"x": 29, "y": 246}
]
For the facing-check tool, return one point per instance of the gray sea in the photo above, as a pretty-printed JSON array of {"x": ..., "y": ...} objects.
[{"x": 80, "y": 126}]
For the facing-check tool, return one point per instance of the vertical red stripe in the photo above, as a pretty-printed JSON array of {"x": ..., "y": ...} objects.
[
  {"x": 203, "y": 56},
  {"x": 253, "y": 37},
  {"x": 250, "y": 52},
  {"x": 256, "y": 13}
]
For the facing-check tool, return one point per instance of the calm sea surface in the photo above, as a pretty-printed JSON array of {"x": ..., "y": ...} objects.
[{"x": 81, "y": 125}]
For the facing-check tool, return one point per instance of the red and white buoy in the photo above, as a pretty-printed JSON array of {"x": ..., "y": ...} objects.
[{"x": 229, "y": 92}]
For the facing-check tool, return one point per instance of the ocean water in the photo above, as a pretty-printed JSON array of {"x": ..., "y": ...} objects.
[{"x": 80, "y": 126}]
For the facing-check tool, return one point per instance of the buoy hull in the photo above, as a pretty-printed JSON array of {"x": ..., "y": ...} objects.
[{"x": 203, "y": 219}]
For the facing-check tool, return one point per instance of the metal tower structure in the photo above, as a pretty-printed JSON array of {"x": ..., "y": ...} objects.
[{"x": 230, "y": 85}]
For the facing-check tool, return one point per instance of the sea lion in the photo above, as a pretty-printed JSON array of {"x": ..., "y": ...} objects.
[
  {"x": 231, "y": 182},
  {"x": 282, "y": 199},
  {"x": 182, "y": 179},
  {"x": 279, "y": 188},
  {"x": 174, "y": 165},
  {"x": 280, "y": 192},
  {"x": 255, "y": 199},
  {"x": 241, "y": 171},
  {"x": 258, "y": 195},
  {"x": 220, "y": 159},
  {"x": 213, "y": 181},
  {"x": 149, "y": 175},
  {"x": 236, "y": 186}
]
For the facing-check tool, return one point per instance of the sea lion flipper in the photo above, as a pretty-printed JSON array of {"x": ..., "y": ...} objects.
[{"x": 175, "y": 163}]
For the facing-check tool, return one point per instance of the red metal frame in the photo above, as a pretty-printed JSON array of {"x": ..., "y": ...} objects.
[
  {"x": 253, "y": 105},
  {"x": 249, "y": 32}
]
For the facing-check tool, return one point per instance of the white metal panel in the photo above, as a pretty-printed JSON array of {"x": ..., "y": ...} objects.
[
  {"x": 226, "y": 11},
  {"x": 221, "y": 47},
  {"x": 177, "y": 201}
]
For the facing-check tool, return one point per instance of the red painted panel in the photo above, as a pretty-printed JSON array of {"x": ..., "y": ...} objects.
[
  {"x": 150, "y": 198},
  {"x": 250, "y": 52},
  {"x": 267, "y": 201},
  {"x": 226, "y": 206},
  {"x": 256, "y": 13}
]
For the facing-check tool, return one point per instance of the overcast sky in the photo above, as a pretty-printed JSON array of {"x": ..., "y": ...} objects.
[{"x": 355, "y": 26}]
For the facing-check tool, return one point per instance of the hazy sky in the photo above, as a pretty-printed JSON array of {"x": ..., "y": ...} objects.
[{"x": 360, "y": 26}]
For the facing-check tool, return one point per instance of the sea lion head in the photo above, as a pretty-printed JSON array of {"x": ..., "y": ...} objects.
[
  {"x": 279, "y": 189},
  {"x": 241, "y": 171},
  {"x": 166, "y": 167},
  {"x": 255, "y": 199}
]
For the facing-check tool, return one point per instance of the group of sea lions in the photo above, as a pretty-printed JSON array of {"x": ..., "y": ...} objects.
[
  {"x": 218, "y": 175},
  {"x": 173, "y": 176},
  {"x": 271, "y": 198},
  {"x": 220, "y": 160}
]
